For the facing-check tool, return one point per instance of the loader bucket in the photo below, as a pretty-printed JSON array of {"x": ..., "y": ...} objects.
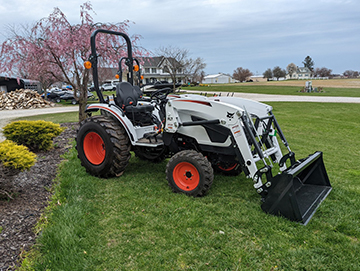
[{"x": 298, "y": 191}]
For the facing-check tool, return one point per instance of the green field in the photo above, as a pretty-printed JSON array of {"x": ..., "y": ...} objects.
[{"x": 135, "y": 222}]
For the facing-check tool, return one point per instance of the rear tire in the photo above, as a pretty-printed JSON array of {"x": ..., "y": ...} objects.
[
  {"x": 103, "y": 146},
  {"x": 189, "y": 172}
]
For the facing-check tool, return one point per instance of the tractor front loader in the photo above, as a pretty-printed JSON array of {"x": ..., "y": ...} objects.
[{"x": 200, "y": 135}]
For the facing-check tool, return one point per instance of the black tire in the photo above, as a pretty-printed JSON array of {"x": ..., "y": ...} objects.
[
  {"x": 155, "y": 155},
  {"x": 232, "y": 169},
  {"x": 189, "y": 172},
  {"x": 58, "y": 100},
  {"x": 103, "y": 146},
  {"x": 73, "y": 101}
]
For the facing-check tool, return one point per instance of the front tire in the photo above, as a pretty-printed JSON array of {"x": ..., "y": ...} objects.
[
  {"x": 229, "y": 169},
  {"x": 103, "y": 146},
  {"x": 189, "y": 172}
]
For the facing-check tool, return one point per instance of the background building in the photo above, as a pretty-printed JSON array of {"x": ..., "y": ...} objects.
[
  {"x": 8, "y": 84},
  {"x": 219, "y": 78}
]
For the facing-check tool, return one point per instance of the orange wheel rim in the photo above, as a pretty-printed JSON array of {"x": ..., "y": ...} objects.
[
  {"x": 94, "y": 148},
  {"x": 186, "y": 176},
  {"x": 228, "y": 168}
]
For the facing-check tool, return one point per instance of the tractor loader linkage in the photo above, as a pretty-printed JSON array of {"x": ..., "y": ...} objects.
[{"x": 199, "y": 134}]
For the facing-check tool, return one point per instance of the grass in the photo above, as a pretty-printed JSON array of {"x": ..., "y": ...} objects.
[
  {"x": 333, "y": 87},
  {"x": 134, "y": 222},
  {"x": 56, "y": 118},
  {"x": 276, "y": 89}
]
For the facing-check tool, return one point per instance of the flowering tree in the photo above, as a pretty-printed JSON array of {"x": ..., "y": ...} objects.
[{"x": 55, "y": 50}]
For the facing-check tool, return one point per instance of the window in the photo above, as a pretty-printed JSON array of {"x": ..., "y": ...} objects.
[
  {"x": 147, "y": 70},
  {"x": 153, "y": 70}
]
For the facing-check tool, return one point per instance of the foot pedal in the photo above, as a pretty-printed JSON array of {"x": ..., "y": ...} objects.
[{"x": 152, "y": 137}]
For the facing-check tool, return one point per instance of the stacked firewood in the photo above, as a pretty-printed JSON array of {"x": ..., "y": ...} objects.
[{"x": 22, "y": 99}]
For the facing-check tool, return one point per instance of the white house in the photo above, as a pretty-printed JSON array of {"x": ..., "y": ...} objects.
[
  {"x": 219, "y": 78},
  {"x": 300, "y": 73},
  {"x": 155, "y": 69}
]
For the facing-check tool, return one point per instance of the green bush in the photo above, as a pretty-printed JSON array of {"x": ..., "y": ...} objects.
[
  {"x": 36, "y": 135},
  {"x": 15, "y": 156}
]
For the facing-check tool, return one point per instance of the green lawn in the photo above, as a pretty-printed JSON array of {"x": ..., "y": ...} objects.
[
  {"x": 135, "y": 222},
  {"x": 273, "y": 89}
]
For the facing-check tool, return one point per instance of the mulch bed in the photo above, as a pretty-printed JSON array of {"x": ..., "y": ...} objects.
[{"x": 19, "y": 215}]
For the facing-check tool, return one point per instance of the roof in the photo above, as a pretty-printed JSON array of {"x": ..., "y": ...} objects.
[
  {"x": 215, "y": 75},
  {"x": 152, "y": 61},
  {"x": 303, "y": 70},
  {"x": 157, "y": 61}
]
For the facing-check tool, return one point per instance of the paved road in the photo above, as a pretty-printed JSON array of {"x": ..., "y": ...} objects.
[{"x": 7, "y": 115}]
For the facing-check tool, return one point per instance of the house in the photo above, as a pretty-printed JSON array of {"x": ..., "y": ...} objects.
[
  {"x": 300, "y": 73},
  {"x": 155, "y": 69},
  {"x": 219, "y": 78}
]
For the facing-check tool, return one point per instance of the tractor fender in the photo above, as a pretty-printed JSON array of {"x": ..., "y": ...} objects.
[{"x": 119, "y": 115}]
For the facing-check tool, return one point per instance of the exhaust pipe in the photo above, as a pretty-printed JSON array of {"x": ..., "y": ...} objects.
[{"x": 299, "y": 190}]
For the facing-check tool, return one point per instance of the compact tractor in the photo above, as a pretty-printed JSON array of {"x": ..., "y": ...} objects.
[{"x": 200, "y": 135}]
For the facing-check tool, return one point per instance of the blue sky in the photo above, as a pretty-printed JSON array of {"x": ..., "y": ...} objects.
[{"x": 227, "y": 34}]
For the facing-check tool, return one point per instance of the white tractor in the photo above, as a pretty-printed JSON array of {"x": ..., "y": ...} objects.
[{"x": 199, "y": 134}]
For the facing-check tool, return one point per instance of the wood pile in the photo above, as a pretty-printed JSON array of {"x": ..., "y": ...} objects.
[{"x": 22, "y": 99}]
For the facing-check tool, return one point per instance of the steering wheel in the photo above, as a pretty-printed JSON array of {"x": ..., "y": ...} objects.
[{"x": 161, "y": 94}]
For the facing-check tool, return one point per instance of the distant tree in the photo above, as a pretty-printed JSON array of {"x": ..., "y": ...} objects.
[
  {"x": 309, "y": 63},
  {"x": 278, "y": 72},
  {"x": 198, "y": 78},
  {"x": 194, "y": 69},
  {"x": 291, "y": 68},
  {"x": 57, "y": 49},
  {"x": 351, "y": 73},
  {"x": 322, "y": 72},
  {"x": 241, "y": 74},
  {"x": 178, "y": 62},
  {"x": 268, "y": 74}
]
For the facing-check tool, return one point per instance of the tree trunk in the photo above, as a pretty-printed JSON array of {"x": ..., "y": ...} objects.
[{"x": 82, "y": 103}]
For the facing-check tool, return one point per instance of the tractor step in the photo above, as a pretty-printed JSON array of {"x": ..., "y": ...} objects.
[{"x": 150, "y": 142}]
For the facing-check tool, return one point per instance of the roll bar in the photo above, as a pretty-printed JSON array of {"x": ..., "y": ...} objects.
[{"x": 93, "y": 58}]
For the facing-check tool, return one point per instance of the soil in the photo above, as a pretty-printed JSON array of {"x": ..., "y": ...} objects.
[{"x": 30, "y": 191}]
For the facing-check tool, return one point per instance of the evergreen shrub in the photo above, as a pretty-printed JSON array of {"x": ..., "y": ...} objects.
[
  {"x": 36, "y": 135},
  {"x": 15, "y": 156}
]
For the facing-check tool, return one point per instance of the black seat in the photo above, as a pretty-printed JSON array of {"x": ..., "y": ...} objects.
[
  {"x": 138, "y": 91},
  {"x": 127, "y": 98}
]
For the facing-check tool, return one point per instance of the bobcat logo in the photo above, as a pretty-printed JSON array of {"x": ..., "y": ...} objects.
[{"x": 230, "y": 115}]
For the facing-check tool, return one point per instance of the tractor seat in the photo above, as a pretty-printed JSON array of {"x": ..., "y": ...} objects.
[{"x": 127, "y": 98}]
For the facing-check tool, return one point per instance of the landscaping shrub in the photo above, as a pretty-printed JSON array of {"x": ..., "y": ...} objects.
[
  {"x": 36, "y": 135},
  {"x": 15, "y": 156}
]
